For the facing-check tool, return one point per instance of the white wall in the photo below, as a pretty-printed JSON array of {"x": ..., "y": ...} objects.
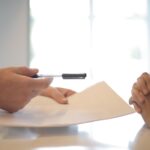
[{"x": 14, "y": 41}]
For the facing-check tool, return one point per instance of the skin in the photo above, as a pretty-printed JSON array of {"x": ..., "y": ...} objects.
[
  {"x": 59, "y": 94},
  {"x": 17, "y": 88},
  {"x": 141, "y": 97}
]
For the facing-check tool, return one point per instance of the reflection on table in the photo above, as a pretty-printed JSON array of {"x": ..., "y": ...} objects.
[{"x": 123, "y": 133}]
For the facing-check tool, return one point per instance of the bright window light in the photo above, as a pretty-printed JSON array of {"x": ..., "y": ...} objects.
[{"x": 107, "y": 39}]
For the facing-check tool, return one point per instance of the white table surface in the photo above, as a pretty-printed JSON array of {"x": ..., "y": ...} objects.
[{"x": 123, "y": 133}]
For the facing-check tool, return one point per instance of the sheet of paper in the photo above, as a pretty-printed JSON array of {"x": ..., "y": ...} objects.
[{"x": 97, "y": 102}]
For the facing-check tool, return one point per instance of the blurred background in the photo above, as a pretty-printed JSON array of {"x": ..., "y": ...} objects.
[{"x": 107, "y": 39}]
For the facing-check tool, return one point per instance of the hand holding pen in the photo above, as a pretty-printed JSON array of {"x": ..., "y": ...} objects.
[{"x": 17, "y": 87}]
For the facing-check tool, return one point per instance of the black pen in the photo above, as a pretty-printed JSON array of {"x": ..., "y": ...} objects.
[{"x": 64, "y": 76}]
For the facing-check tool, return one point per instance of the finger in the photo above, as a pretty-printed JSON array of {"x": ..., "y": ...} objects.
[
  {"x": 66, "y": 92},
  {"x": 55, "y": 94},
  {"x": 138, "y": 95},
  {"x": 137, "y": 108},
  {"x": 141, "y": 83},
  {"x": 130, "y": 101},
  {"x": 26, "y": 71},
  {"x": 146, "y": 78},
  {"x": 59, "y": 97},
  {"x": 40, "y": 84}
]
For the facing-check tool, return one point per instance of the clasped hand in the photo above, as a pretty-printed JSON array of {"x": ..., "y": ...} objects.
[{"x": 141, "y": 97}]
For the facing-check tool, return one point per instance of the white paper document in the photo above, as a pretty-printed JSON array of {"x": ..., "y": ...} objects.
[{"x": 97, "y": 102}]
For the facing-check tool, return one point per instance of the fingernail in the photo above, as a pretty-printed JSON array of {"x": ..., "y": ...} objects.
[
  {"x": 65, "y": 100},
  {"x": 130, "y": 101},
  {"x": 50, "y": 79}
]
